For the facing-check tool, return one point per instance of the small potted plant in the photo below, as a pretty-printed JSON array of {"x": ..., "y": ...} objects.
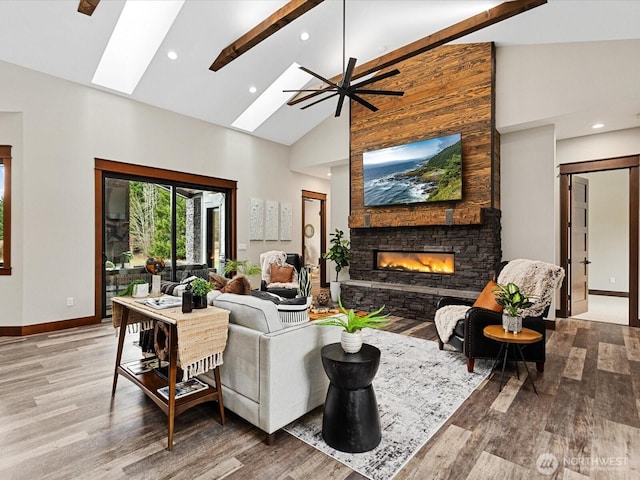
[
  {"x": 351, "y": 337},
  {"x": 513, "y": 301},
  {"x": 244, "y": 267},
  {"x": 200, "y": 287},
  {"x": 339, "y": 254},
  {"x": 126, "y": 259}
]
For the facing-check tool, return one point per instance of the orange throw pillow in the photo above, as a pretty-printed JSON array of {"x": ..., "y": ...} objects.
[
  {"x": 487, "y": 298},
  {"x": 281, "y": 273}
]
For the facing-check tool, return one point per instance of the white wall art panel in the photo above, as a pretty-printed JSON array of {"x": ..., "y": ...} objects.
[
  {"x": 271, "y": 220},
  {"x": 286, "y": 218},
  {"x": 256, "y": 219}
]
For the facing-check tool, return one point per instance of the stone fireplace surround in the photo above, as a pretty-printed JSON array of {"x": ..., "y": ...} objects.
[{"x": 477, "y": 251}]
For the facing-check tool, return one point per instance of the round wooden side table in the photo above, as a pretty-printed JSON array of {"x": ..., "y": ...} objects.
[
  {"x": 524, "y": 337},
  {"x": 351, "y": 422}
]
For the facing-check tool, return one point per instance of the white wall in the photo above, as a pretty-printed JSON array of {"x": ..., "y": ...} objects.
[
  {"x": 609, "y": 230},
  {"x": 64, "y": 127},
  {"x": 339, "y": 208},
  {"x": 595, "y": 147},
  {"x": 326, "y": 145},
  {"x": 527, "y": 194}
]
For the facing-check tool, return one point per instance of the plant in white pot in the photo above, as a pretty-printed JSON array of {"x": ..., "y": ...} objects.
[
  {"x": 351, "y": 337},
  {"x": 513, "y": 301},
  {"x": 339, "y": 254}
]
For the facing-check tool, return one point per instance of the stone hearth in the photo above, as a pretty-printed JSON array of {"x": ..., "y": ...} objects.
[{"x": 477, "y": 250}]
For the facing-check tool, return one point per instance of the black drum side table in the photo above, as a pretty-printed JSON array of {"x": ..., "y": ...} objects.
[{"x": 351, "y": 422}]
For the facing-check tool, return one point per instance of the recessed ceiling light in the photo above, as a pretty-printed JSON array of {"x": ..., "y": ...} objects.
[
  {"x": 272, "y": 98},
  {"x": 597, "y": 125},
  {"x": 172, "y": 54},
  {"x": 128, "y": 53},
  {"x": 304, "y": 36},
  {"x": 252, "y": 89},
  {"x": 329, "y": 174}
]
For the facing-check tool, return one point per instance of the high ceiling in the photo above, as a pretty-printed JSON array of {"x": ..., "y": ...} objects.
[{"x": 50, "y": 36}]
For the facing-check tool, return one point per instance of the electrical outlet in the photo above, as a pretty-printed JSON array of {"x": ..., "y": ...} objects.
[
  {"x": 242, "y": 246},
  {"x": 69, "y": 301},
  {"x": 612, "y": 279}
]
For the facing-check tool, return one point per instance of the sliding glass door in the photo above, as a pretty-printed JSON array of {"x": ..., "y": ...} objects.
[{"x": 151, "y": 221}]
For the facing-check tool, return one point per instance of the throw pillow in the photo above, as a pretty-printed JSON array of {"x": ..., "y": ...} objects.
[
  {"x": 487, "y": 298},
  {"x": 281, "y": 273},
  {"x": 218, "y": 281},
  {"x": 239, "y": 285}
]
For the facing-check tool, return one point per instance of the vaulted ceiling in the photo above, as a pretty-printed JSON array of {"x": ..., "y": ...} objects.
[{"x": 50, "y": 36}]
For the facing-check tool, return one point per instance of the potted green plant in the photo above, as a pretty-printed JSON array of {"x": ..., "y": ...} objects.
[
  {"x": 126, "y": 259},
  {"x": 200, "y": 287},
  {"x": 513, "y": 301},
  {"x": 244, "y": 267},
  {"x": 339, "y": 253},
  {"x": 352, "y": 325}
]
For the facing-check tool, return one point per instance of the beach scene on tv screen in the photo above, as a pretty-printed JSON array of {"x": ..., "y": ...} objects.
[{"x": 425, "y": 171}]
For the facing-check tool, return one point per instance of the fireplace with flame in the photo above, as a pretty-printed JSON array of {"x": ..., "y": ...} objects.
[{"x": 415, "y": 262}]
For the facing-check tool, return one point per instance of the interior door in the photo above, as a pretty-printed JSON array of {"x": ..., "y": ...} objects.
[
  {"x": 314, "y": 231},
  {"x": 579, "y": 257}
]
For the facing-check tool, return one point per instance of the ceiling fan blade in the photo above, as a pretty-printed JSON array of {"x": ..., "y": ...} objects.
[
  {"x": 339, "y": 106},
  {"x": 346, "y": 79},
  {"x": 318, "y": 101},
  {"x": 319, "y": 77},
  {"x": 376, "y": 78},
  {"x": 362, "y": 101},
  {"x": 321, "y": 90},
  {"x": 380, "y": 92}
]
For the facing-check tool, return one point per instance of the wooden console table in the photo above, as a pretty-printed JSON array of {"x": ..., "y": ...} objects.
[{"x": 204, "y": 332}]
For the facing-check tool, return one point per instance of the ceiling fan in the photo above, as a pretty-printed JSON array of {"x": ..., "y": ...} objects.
[{"x": 344, "y": 88}]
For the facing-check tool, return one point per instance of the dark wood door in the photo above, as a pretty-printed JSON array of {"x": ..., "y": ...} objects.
[{"x": 579, "y": 258}]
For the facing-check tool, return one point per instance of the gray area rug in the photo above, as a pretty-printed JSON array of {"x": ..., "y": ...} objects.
[{"x": 418, "y": 387}]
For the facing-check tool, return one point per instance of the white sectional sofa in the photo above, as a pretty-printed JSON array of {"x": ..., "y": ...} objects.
[{"x": 272, "y": 374}]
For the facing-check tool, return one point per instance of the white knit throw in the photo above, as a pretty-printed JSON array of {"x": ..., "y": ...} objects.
[
  {"x": 537, "y": 280},
  {"x": 446, "y": 319}
]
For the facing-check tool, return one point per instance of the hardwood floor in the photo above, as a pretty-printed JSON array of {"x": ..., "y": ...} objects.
[{"x": 57, "y": 420}]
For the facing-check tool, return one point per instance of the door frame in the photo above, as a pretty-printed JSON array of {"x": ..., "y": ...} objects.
[
  {"x": 323, "y": 231},
  {"x": 104, "y": 168},
  {"x": 632, "y": 163}
]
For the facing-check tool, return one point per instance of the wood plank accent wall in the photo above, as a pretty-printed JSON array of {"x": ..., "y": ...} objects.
[{"x": 447, "y": 90}]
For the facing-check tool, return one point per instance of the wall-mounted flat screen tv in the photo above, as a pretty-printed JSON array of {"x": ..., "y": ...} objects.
[{"x": 425, "y": 171}]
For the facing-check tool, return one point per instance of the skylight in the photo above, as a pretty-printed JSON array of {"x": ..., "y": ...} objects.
[
  {"x": 140, "y": 30},
  {"x": 272, "y": 98}
]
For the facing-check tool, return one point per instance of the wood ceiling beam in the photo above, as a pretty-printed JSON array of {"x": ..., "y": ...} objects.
[
  {"x": 88, "y": 6},
  {"x": 465, "y": 27},
  {"x": 266, "y": 28}
]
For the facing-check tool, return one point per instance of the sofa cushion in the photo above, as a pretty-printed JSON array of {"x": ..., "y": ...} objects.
[
  {"x": 250, "y": 312},
  {"x": 487, "y": 298}
]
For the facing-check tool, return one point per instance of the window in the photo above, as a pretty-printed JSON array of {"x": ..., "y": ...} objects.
[{"x": 5, "y": 210}]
